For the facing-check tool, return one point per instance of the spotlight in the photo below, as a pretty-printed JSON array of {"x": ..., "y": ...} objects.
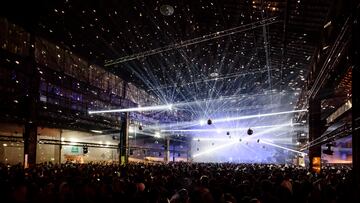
[
  {"x": 140, "y": 127},
  {"x": 250, "y": 132},
  {"x": 209, "y": 122},
  {"x": 157, "y": 135}
]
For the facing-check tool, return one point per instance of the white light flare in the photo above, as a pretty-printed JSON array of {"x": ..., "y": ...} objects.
[
  {"x": 96, "y": 131},
  {"x": 137, "y": 109},
  {"x": 157, "y": 135},
  {"x": 73, "y": 141}
]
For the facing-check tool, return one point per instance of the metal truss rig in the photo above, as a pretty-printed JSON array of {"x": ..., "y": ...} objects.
[
  {"x": 339, "y": 132},
  {"x": 197, "y": 40},
  {"x": 95, "y": 145}
]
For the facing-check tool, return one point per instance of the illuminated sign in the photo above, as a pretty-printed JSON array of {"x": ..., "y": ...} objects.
[
  {"x": 74, "y": 149},
  {"x": 316, "y": 164}
]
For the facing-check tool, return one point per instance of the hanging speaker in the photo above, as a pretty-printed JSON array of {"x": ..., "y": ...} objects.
[{"x": 85, "y": 149}]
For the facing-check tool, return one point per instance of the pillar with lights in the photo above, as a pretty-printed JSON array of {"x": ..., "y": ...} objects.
[
  {"x": 314, "y": 132},
  {"x": 124, "y": 134},
  {"x": 167, "y": 149},
  {"x": 30, "y": 110}
]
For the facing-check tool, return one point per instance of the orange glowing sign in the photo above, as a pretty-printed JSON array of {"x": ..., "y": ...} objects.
[{"x": 316, "y": 164}]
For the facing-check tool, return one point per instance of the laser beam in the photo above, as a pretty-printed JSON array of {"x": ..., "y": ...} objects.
[
  {"x": 281, "y": 147},
  {"x": 230, "y": 129},
  {"x": 168, "y": 107},
  {"x": 231, "y": 143},
  {"x": 256, "y": 116},
  {"x": 215, "y": 149}
]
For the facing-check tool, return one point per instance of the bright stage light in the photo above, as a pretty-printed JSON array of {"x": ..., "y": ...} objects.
[
  {"x": 131, "y": 129},
  {"x": 145, "y": 108},
  {"x": 202, "y": 122},
  {"x": 73, "y": 141},
  {"x": 96, "y": 131},
  {"x": 230, "y": 129},
  {"x": 157, "y": 135}
]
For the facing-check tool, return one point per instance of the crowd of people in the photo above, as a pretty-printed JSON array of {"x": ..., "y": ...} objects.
[{"x": 174, "y": 183}]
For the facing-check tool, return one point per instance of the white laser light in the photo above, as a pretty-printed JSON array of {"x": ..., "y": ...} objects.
[
  {"x": 219, "y": 130},
  {"x": 281, "y": 147},
  {"x": 215, "y": 149},
  {"x": 145, "y": 108},
  {"x": 256, "y": 116}
]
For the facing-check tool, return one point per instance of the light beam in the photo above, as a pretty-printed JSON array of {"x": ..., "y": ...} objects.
[
  {"x": 168, "y": 107},
  {"x": 231, "y": 143},
  {"x": 215, "y": 149},
  {"x": 256, "y": 116},
  {"x": 281, "y": 147},
  {"x": 229, "y": 129}
]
